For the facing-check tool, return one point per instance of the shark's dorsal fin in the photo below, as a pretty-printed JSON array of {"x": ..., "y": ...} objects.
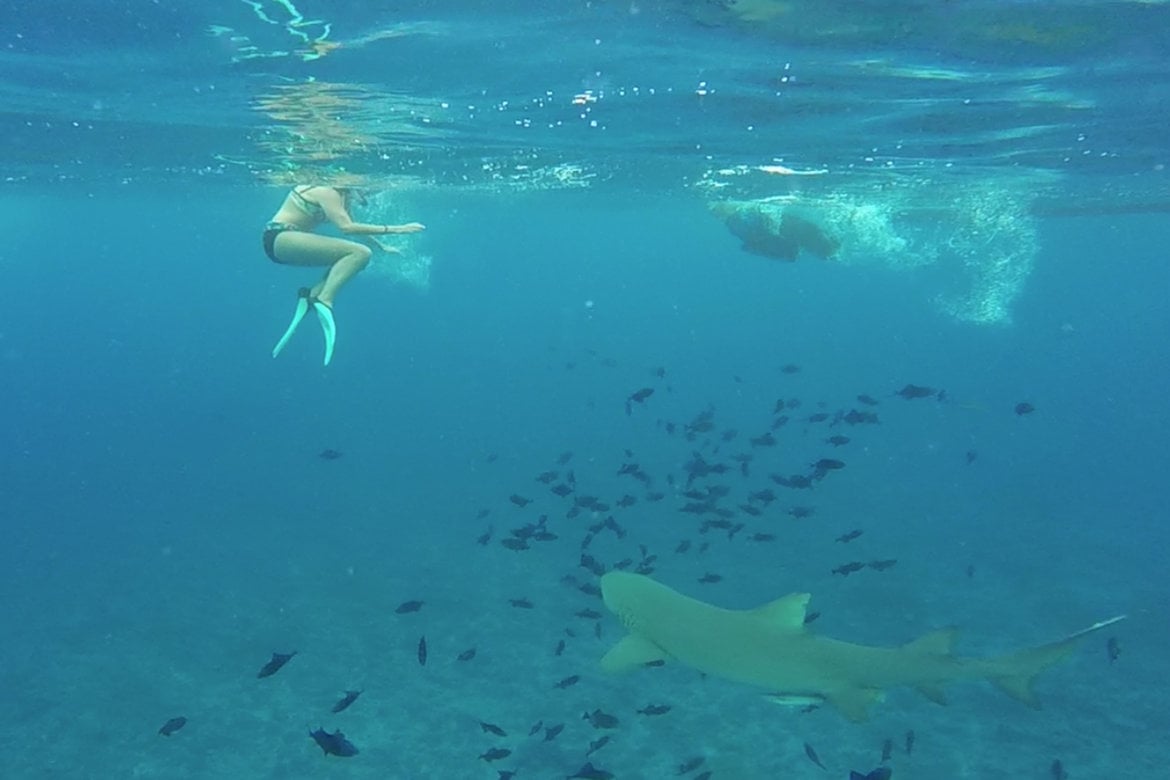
[
  {"x": 631, "y": 652},
  {"x": 785, "y": 612},
  {"x": 941, "y": 642}
]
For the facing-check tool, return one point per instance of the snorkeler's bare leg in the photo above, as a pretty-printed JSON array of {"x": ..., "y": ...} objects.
[
  {"x": 344, "y": 258},
  {"x": 341, "y": 272}
]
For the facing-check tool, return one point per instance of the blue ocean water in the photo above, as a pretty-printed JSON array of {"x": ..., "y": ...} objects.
[{"x": 990, "y": 178}]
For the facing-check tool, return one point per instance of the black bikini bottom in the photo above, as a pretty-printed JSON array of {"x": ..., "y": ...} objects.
[{"x": 271, "y": 231}]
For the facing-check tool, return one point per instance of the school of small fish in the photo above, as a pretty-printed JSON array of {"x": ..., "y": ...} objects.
[{"x": 705, "y": 490}]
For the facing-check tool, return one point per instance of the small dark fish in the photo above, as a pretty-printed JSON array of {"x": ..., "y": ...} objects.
[
  {"x": 562, "y": 489},
  {"x": 846, "y": 569},
  {"x": 560, "y": 648},
  {"x": 483, "y": 539},
  {"x": 970, "y": 570},
  {"x": 591, "y": 564},
  {"x": 910, "y": 742},
  {"x": 172, "y": 725},
  {"x": 1113, "y": 649},
  {"x": 552, "y": 732},
  {"x": 568, "y": 682},
  {"x": 801, "y": 512},
  {"x": 422, "y": 651},
  {"x": 868, "y": 400},
  {"x": 590, "y": 772},
  {"x": 910, "y": 392},
  {"x": 1023, "y": 407},
  {"x": 838, "y": 441},
  {"x": 710, "y": 579},
  {"x": 334, "y": 744},
  {"x": 407, "y": 607},
  {"x": 855, "y": 417},
  {"x": 813, "y": 757},
  {"x": 505, "y": 774},
  {"x": 765, "y": 496},
  {"x": 882, "y": 565},
  {"x": 682, "y": 547},
  {"x": 512, "y": 543},
  {"x": 762, "y": 537},
  {"x": 495, "y": 754},
  {"x": 638, "y": 396},
  {"x": 329, "y": 454},
  {"x": 764, "y": 440},
  {"x": 690, "y": 765},
  {"x": 519, "y": 500},
  {"x": 789, "y": 368},
  {"x": 828, "y": 464},
  {"x": 589, "y": 614},
  {"x": 811, "y": 617},
  {"x": 881, "y": 773},
  {"x": 546, "y": 477},
  {"x": 273, "y": 666},
  {"x": 655, "y": 709},
  {"x": 520, "y": 603},
  {"x": 491, "y": 728},
  {"x": 1057, "y": 770},
  {"x": 887, "y": 750},
  {"x": 971, "y": 456},
  {"x": 601, "y": 720},
  {"x": 349, "y": 698},
  {"x": 481, "y": 514},
  {"x": 849, "y": 537},
  {"x": 564, "y": 458},
  {"x": 597, "y": 744},
  {"x": 818, "y": 417}
]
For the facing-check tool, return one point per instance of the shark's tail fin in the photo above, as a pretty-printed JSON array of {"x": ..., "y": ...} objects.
[{"x": 1013, "y": 674}]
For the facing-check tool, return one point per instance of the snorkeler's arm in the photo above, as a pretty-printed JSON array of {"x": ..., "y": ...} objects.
[
  {"x": 335, "y": 211},
  {"x": 409, "y": 227}
]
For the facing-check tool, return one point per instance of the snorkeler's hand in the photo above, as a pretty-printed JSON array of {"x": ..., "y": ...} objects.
[
  {"x": 410, "y": 227},
  {"x": 390, "y": 250}
]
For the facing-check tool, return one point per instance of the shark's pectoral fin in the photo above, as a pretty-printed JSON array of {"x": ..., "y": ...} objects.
[
  {"x": 854, "y": 703},
  {"x": 631, "y": 652},
  {"x": 933, "y": 692},
  {"x": 786, "y": 612}
]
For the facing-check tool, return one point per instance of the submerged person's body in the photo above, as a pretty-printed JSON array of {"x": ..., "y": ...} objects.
[{"x": 289, "y": 239}]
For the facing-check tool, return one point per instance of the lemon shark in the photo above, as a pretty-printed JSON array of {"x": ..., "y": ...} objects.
[{"x": 771, "y": 648}]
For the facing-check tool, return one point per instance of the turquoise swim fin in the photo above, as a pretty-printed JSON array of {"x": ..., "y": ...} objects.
[
  {"x": 298, "y": 315},
  {"x": 328, "y": 327}
]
